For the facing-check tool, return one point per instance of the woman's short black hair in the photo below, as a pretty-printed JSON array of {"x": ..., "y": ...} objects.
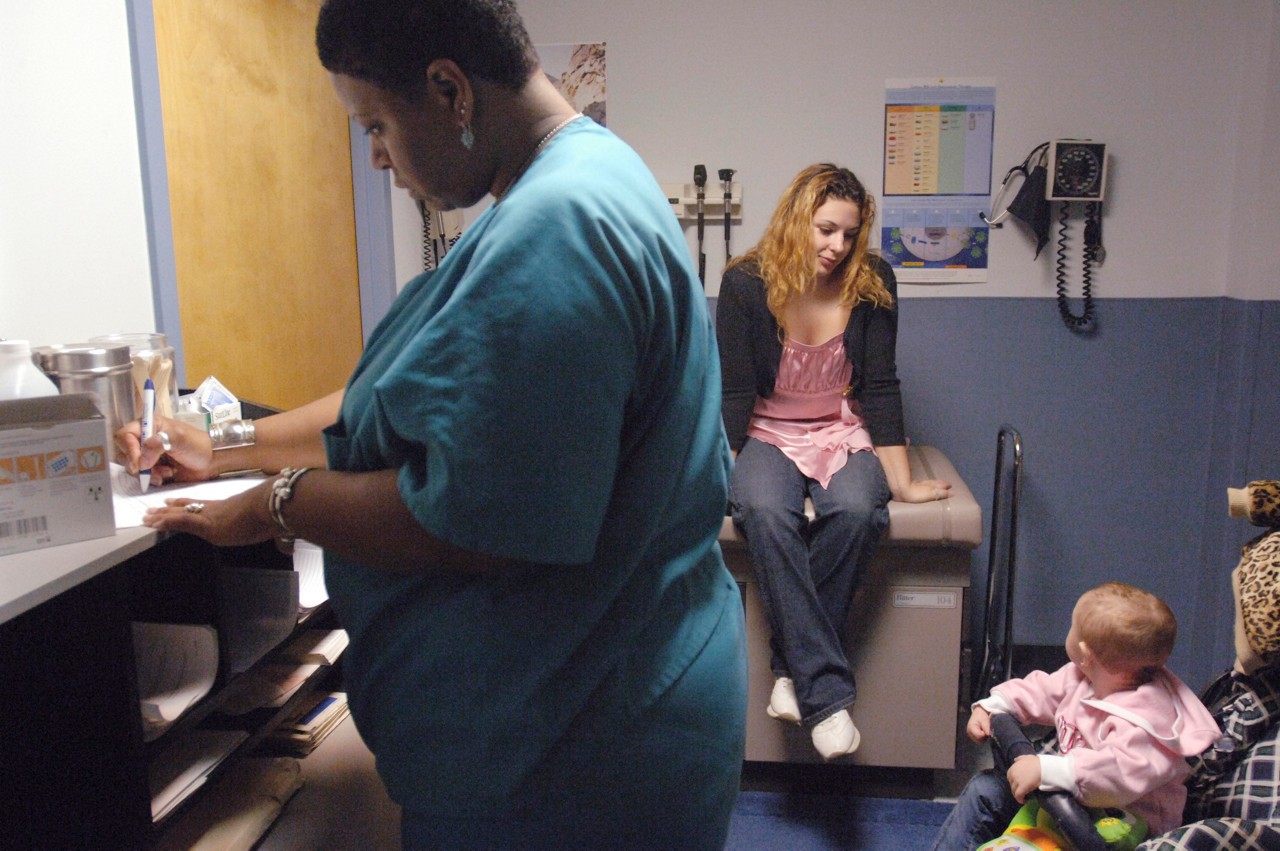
[{"x": 389, "y": 43}]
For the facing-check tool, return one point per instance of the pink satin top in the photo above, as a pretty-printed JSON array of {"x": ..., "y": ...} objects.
[{"x": 808, "y": 416}]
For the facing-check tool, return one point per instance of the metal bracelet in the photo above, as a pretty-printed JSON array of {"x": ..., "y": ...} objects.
[
  {"x": 282, "y": 492},
  {"x": 232, "y": 433}
]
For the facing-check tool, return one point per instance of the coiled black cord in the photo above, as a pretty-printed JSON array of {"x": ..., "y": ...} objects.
[
  {"x": 429, "y": 258},
  {"x": 1084, "y": 322}
]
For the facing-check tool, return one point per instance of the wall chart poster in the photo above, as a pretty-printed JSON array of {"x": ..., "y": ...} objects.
[
  {"x": 577, "y": 70},
  {"x": 938, "y": 136}
]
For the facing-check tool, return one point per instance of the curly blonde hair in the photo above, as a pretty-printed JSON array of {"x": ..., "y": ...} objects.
[{"x": 784, "y": 254}]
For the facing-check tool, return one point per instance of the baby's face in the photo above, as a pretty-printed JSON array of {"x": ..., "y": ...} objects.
[{"x": 1073, "y": 636}]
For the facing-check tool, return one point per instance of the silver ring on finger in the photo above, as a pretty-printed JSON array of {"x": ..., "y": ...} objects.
[
  {"x": 164, "y": 440},
  {"x": 193, "y": 507}
]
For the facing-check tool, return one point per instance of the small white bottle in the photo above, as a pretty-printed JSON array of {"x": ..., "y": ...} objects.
[{"x": 20, "y": 378}]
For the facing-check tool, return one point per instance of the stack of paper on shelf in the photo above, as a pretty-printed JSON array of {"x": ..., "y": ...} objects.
[
  {"x": 237, "y": 809},
  {"x": 299, "y": 734},
  {"x": 177, "y": 664},
  {"x": 269, "y": 685},
  {"x": 308, "y": 563},
  {"x": 185, "y": 765},
  {"x": 259, "y": 611},
  {"x": 316, "y": 646}
]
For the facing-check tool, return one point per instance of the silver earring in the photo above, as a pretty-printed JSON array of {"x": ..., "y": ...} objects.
[{"x": 468, "y": 138}]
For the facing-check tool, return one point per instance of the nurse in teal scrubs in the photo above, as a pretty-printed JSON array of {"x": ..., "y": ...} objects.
[{"x": 520, "y": 488}]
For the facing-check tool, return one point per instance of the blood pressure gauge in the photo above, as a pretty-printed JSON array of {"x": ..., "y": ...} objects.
[{"x": 1077, "y": 170}]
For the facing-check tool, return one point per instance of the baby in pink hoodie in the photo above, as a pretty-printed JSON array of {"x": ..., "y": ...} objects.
[{"x": 1126, "y": 724}]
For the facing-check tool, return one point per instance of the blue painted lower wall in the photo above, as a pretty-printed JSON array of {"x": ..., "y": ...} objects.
[{"x": 1131, "y": 436}]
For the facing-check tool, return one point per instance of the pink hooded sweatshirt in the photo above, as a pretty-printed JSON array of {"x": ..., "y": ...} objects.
[{"x": 1129, "y": 750}]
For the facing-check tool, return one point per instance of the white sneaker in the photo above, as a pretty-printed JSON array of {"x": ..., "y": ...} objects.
[
  {"x": 782, "y": 702},
  {"x": 836, "y": 736}
]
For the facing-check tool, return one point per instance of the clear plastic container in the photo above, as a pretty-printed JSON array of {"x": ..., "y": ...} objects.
[
  {"x": 20, "y": 378},
  {"x": 153, "y": 358}
]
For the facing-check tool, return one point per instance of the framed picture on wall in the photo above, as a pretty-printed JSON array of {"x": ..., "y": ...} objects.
[{"x": 577, "y": 70}]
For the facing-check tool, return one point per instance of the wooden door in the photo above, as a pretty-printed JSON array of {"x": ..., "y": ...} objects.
[{"x": 259, "y": 165}]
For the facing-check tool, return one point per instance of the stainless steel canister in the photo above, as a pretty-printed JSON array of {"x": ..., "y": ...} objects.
[{"x": 104, "y": 371}]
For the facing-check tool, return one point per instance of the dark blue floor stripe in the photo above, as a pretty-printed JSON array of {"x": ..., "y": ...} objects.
[{"x": 801, "y": 822}]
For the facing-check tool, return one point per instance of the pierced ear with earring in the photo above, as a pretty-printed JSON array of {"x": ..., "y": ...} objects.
[
  {"x": 468, "y": 138},
  {"x": 450, "y": 89}
]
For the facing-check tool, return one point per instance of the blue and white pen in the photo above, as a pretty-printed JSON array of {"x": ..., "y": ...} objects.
[{"x": 148, "y": 426}]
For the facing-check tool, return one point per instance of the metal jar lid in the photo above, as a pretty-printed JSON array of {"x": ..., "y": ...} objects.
[{"x": 83, "y": 358}]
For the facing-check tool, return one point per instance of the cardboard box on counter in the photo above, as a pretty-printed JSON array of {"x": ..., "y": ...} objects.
[{"x": 55, "y": 480}]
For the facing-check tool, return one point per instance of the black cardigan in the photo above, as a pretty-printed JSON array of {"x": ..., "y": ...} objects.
[{"x": 750, "y": 350}]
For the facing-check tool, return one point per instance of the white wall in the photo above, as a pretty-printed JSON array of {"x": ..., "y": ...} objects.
[
  {"x": 1252, "y": 267},
  {"x": 1183, "y": 92},
  {"x": 73, "y": 242},
  {"x": 1187, "y": 94}
]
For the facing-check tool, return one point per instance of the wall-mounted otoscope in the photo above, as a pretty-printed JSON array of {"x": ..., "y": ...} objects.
[
  {"x": 700, "y": 181},
  {"x": 726, "y": 176}
]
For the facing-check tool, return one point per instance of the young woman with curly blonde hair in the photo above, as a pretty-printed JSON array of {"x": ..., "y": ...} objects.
[{"x": 807, "y": 330}]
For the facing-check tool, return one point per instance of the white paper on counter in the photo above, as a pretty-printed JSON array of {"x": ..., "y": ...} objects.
[{"x": 131, "y": 503}]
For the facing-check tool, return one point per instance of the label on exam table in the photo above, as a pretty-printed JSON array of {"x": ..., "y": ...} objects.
[{"x": 925, "y": 599}]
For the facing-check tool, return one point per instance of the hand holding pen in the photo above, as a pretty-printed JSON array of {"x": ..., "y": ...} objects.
[{"x": 177, "y": 451}]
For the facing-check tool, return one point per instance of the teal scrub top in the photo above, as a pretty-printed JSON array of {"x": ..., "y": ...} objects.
[{"x": 550, "y": 394}]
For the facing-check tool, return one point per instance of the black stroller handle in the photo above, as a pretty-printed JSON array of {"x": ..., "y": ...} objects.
[{"x": 1074, "y": 823}]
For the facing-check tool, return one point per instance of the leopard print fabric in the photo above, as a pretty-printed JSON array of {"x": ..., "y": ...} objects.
[
  {"x": 1264, "y": 503},
  {"x": 1259, "y": 575}
]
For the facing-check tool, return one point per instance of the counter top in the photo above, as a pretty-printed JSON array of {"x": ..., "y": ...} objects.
[{"x": 33, "y": 577}]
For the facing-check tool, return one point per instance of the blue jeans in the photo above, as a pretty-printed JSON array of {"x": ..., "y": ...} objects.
[
  {"x": 983, "y": 812},
  {"x": 807, "y": 572}
]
